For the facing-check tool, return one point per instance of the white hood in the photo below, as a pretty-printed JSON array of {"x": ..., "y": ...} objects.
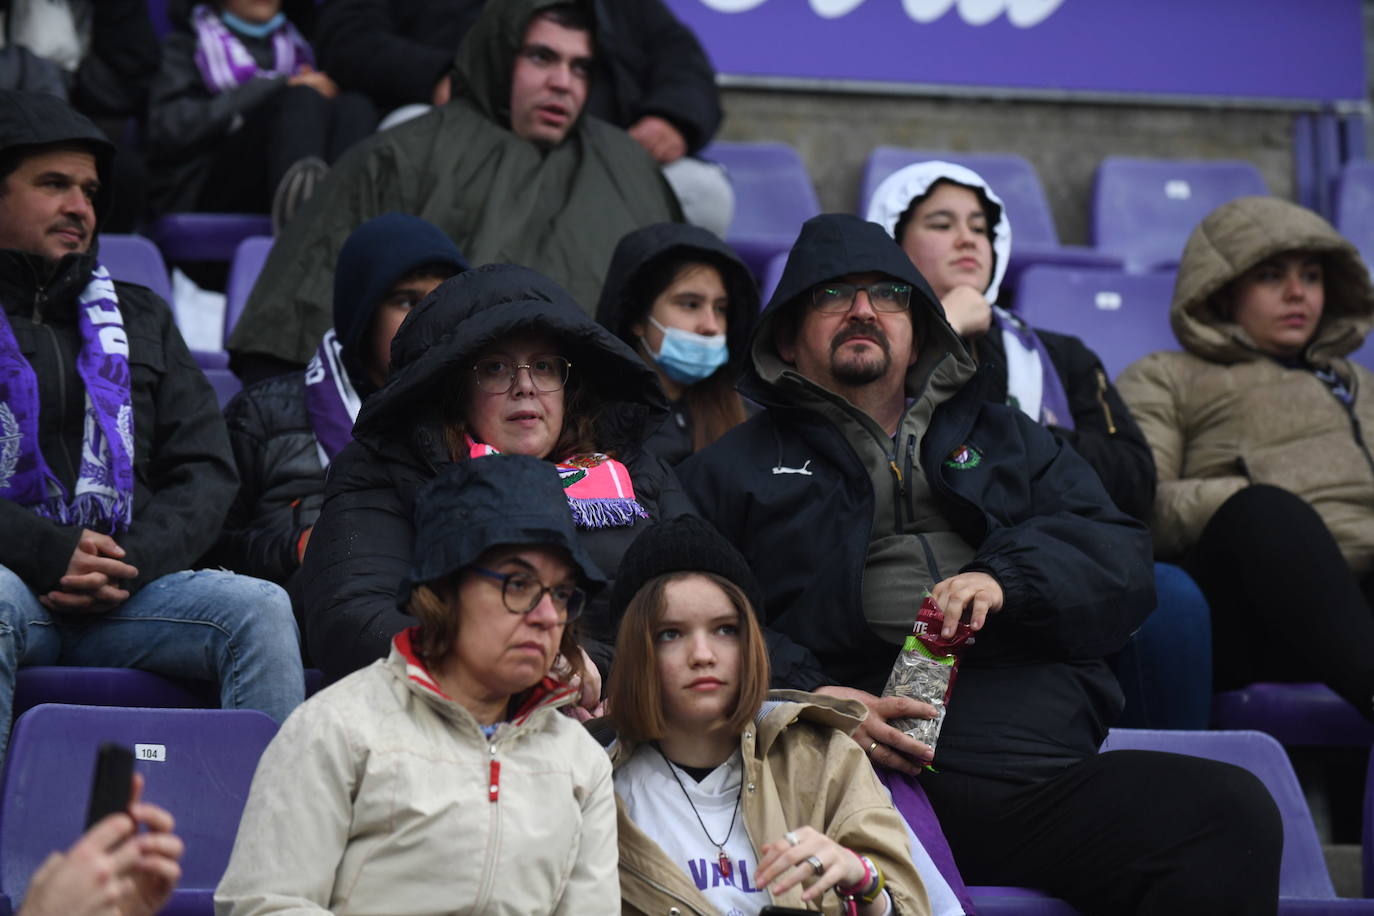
[{"x": 894, "y": 196}]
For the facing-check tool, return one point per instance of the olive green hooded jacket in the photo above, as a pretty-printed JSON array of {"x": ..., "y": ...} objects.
[
  {"x": 1224, "y": 415},
  {"x": 501, "y": 198}
]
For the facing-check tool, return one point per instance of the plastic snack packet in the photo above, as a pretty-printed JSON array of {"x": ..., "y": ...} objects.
[{"x": 925, "y": 669}]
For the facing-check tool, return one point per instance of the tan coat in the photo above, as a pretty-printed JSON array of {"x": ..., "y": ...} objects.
[
  {"x": 800, "y": 768},
  {"x": 1223, "y": 415},
  {"x": 374, "y": 799}
]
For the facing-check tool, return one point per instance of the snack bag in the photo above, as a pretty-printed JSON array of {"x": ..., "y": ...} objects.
[{"x": 925, "y": 669}]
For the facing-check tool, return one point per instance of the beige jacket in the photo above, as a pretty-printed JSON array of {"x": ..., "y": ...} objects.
[
  {"x": 376, "y": 797},
  {"x": 800, "y": 768},
  {"x": 1223, "y": 415}
]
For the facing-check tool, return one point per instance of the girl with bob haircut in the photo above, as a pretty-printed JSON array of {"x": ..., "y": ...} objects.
[
  {"x": 446, "y": 776},
  {"x": 733, "y": 798}
]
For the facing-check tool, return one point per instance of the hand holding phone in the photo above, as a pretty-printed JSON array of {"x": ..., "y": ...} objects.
[{"x": 111, "y": 783}]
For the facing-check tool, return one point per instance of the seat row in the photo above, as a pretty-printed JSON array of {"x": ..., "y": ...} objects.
[{"x": 199, "y": 763}]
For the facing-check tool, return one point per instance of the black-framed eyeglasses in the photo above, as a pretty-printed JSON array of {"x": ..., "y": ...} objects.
[
  {"x": 838, "y": 296},
  {"x": 521, "y": 592},
  {"x": 496, "y": 374}
]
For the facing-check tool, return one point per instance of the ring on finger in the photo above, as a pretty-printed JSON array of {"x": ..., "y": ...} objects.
[
  {"x": 816, "y": 865},
  {"x": 791, "y": 838},
  {"x": 872, "y": 747}
]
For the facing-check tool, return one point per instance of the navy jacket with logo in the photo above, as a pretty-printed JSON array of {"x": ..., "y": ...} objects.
[{"x": 1034, "y": 693}]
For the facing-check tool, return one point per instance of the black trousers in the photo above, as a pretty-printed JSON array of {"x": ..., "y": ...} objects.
[
  {"x": 1123, "y": 832},
  {"x": 293, "y": 124},
  {"x": 1285, "y": 605}
]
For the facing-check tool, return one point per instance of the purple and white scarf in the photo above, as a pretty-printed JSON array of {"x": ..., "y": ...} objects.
[
  {"x": 330, "y": 400},
  {"x": 103, "y": 498},
  {"x": 225, "y": 63},
  {"x": 1033, "y": 386}
]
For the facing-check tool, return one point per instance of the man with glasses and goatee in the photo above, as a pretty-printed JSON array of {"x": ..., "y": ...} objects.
[{"x": 877, "y": 471}]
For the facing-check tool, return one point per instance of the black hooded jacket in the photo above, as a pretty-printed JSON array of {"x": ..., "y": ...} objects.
[
  {"x": 362, "y": 545},
  {"x": 789, "y": 489},
  {"x": 278, "y": 457},
  {"x": 183, "y": 474},
  {"x": 647, "y": 62},
  {"x": 624, "y": 302}
]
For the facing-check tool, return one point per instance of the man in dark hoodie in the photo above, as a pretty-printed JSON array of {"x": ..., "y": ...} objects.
[
  {"x": 286, "y": 430},
  {"x": 511, "y": 169},
  {"x": 115, "y": 470},
  {"x": 879, "y": 469}
]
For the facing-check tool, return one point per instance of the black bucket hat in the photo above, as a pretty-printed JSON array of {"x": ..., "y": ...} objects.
[
  {"x": 684, "y": 543},
  {"x": 481, "y": 503}
]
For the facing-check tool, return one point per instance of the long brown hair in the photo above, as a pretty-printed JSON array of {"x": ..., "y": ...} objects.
[
  {"x": 633, "y": 695},
  {"x": 712, "y": 403}
]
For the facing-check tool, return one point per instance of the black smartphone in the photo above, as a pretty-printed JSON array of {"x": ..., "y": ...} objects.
[
  {"x": 785, "y": 911},
  {"x": 111, "y": 783}
]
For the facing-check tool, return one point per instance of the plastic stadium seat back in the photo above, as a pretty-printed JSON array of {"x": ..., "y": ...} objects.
[
  {"x": 1302, "y": 871},
  {"x": 206, "y": 236},
  {"x": 1145, "y": 209},
  {"x": 135, "y": 259},
  {"x": 1304, "y": 715},
  {"x": 39, "y": 684},
  {"x": 249, "y": 257},
  {"x": 196, "y": 763},
  {"x": 773, "y": 197},
  {"x": 1354, "y": 215},
  {"x": 1120, "y": 316}
]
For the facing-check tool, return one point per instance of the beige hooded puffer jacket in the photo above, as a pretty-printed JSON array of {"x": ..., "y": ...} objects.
[{"x": 1224, "y": 415}]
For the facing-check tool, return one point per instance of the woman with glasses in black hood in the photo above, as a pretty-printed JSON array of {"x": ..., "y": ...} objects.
[
  {"x": 686, "y": 303},
  {"x": 498, "y": 360}
]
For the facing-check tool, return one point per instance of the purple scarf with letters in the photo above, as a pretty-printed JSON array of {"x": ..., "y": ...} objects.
[
  {"x": 225, "y": 63},
  {"x": 103, "y": 498},
  {"x": 330, "y": 401},
  {"x": 1033, "y": 385}
]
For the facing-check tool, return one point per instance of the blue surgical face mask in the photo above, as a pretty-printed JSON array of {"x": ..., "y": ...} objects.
[
  {"x": 687, "y": 358},
  {"x": 253, "y": 29}
]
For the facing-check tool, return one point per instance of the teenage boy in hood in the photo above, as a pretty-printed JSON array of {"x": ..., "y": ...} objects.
[
  {"x": 286, "y": 430},
  {"x": 878, "y": 469},
  {"x": 511, "y": 169},
  {"x": 115, "y": 470}
]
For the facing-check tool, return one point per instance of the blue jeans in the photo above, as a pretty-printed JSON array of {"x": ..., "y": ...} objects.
[
  {"x": 1166, "y": 669},
  {"x": 208, "y": 624}
]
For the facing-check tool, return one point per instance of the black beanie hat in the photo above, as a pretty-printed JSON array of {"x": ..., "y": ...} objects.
[{"x": 686, "y": 543}]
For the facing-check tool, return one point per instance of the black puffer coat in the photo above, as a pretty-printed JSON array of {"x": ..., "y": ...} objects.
[
  {"x": 362, "y": 545},
  {"x": 623, "y": 304}
]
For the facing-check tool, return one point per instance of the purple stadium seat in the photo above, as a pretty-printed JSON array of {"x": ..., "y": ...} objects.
[
  {"x": 772, "y": 274},
  {"x": 1120, "y": 316},
  {"x": 773, "y": 197},
  {"x": 1034, "y": 237},
  {"x": 206, "y": 236},
  {"x": 249, "y": 257},
  {"x": 1304, "y": 882},
  {"x": 39, "y": 684},
  {"x": 197, "y": 763},
  {"x": 1369, "y": 829},
  {"x": 1365, "y": 354},
  {"x": 1144, "y": 209},
  {"x": 1354, "y": 207},
  {"x": 135, "y": 259},
  {"x": 1295, "y": 714}
]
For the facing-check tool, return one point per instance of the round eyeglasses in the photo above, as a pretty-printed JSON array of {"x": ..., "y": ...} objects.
[
  {"x": 887, "y": 296},
  {"x": 496, "y": 374},
  {"x": 522, "y": 592}
]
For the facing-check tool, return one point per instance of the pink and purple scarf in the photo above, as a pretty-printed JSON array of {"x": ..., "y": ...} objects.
[
  {"x": 103, "y": 497},
  {"x": 598, "y": 488},
  {"x": 225, "y": 63}
]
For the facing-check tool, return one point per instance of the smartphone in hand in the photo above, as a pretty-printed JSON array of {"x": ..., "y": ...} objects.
[{"x": 111, "y": 783}]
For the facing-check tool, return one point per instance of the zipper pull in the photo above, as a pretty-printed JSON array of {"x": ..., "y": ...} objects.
[
  {"x": 1102, "y": 399},
  {"x": 897, "y": 472}
]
